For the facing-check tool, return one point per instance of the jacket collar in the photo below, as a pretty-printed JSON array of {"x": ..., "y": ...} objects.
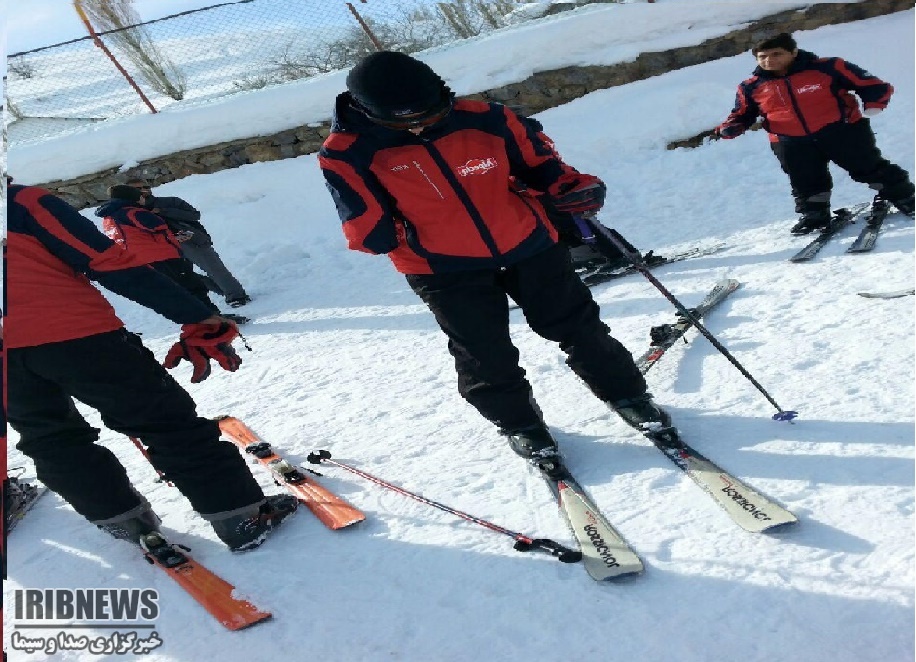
[{"x": 802, "y": 61}]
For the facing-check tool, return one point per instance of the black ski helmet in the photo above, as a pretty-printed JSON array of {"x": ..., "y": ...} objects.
[{"x": 397, "y": 90}]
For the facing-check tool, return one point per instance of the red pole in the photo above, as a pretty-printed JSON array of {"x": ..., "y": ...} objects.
[
  {"x": 523, "y": 543},
  {"x": 98, "y": 42},
  {"x": 142, "y": 449},
  {"x": 365, "y": 27}
]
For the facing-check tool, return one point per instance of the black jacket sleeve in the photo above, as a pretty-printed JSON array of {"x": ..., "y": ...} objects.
[
  {"x": 174, "y": 209},
  {"x": 180, "y": 216},
  {"x": 155, "y": 291}
]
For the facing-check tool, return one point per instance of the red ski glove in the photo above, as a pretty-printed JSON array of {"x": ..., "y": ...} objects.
[
  {"x": 586, "y": 195},
  {"x": 201, "y": 342}
]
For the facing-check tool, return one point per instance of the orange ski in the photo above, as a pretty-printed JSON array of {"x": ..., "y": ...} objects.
[
  {"x": 334, "y": 512},
  {"x": 212, "y": 592}
]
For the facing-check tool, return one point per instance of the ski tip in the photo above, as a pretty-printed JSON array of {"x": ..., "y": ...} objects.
[
  {"x": 247, "y": 620},
  {"x": 785, "y": 416},
  {"x": 623, "y": 575},
  {"x": 781, "y": 527}
]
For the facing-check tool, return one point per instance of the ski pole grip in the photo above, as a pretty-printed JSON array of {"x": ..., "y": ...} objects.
[
  {"x": 317, "y": 457},
  {"x": 585, "y": 230},
  {"x": 555, "y": 549}
]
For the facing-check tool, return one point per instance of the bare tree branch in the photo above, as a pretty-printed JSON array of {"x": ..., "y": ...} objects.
[{"x": 154, "y": 68}]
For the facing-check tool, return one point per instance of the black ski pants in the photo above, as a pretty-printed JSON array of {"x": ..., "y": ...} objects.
[
  {"x": 472, "y": 309},
  {"x": 853, "y": 148},
  {"x": 115, "y": 374}
]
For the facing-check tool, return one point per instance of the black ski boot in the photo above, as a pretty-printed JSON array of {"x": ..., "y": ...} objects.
[
  {"x": 532, "y": 443},
  {"x": 899, "y": 194},
  {"x": 248, "y": 529},
  {"x": 536, "y": 445},
  {"x": 642, "y": 413},
  {"x": 132, "y": 525},
  {"x": 906, "y": 205},
  {"x": 810, "y": 221}
]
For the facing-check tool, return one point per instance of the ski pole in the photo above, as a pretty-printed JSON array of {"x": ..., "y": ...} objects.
[
  {"x": 142, "y": 449},
  {"x": 523, "y": 543},
  {"x": 244, "y": 340},
  {"x": 600, "y": 231}
]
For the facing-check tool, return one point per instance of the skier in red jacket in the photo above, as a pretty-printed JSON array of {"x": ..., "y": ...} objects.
[
  {"x": 433, "y": 182},
  {"x": 149, "y": 237},
  {"x": 64, "y": 342},
  {"x": 812, "y": 117}
]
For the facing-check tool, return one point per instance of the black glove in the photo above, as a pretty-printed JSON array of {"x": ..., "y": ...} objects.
[
  {"x": 562, "y": 221},
  {"x": 585, "y": 196}
]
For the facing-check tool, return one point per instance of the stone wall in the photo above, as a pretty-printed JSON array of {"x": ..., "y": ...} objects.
[{"x": 541, "y": 91}]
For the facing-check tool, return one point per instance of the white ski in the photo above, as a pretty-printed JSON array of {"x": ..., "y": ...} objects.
[
  {"x": 605, "y": 554},
  {"x": 749, "y": 509},
  {"x": 887, "y": 295}
]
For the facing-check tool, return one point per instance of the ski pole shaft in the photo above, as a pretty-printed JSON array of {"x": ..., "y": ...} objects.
[
  {"x": 523, "y": 543},
  {"x": 142, "y": 449},
  {"x": 244, "y": 340},
  {"x": 637, "y": 262}
]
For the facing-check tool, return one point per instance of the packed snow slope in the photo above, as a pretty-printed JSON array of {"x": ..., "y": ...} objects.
[{"x": 346, "y": 358}]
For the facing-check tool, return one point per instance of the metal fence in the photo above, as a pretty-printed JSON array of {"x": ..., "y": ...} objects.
[{"x": 199, "y": 55}]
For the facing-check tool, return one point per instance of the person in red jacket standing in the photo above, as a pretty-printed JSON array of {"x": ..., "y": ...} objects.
[
  {"x": 195, "y": 242},
  {"x": 64, "y": 342},
  {"x": 813, "y": 119},
  {"x": 150, "y": 238},
  {"x": 434, "y": 183}
]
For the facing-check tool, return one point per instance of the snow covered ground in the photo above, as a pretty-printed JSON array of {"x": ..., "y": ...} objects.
[{"x": 347, "y": 358}]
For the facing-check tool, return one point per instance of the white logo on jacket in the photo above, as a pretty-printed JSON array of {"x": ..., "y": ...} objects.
[
  {"x": 476, "y": 166},
  {"x": 809, "y": 88}
]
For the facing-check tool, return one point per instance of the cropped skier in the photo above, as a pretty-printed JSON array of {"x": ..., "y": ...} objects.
[
  {"x": 64, "y": 342},
  {"x": 195, "y": 242},
  {"x": 149, "y": 236}
]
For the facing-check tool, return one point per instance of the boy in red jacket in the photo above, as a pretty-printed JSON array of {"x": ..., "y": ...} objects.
[
  {"x": 149, "y": 238},
  {"x": 434, "y": 183},
  {"x": 812, "y": 117}
]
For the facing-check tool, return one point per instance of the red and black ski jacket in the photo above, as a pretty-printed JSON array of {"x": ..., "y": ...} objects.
[
  {"x": 140, "y": 231},
  {"x": 52, "y": 251},
  {"x": 444, "y": 200},
  {"x": 179, "y": 215},
  {"x": 814, "y": 92}
]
